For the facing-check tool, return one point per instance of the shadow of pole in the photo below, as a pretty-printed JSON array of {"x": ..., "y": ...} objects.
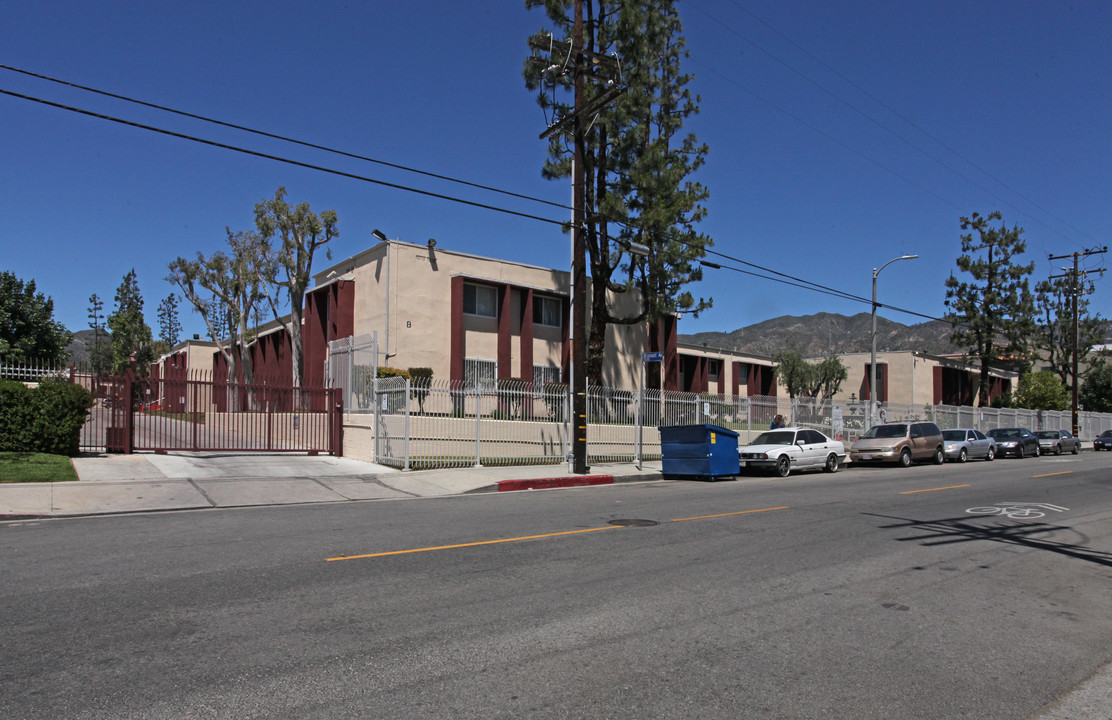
[{"x": 961, "y": 529}]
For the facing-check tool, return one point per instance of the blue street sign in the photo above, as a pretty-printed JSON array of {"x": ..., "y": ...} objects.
[{"x": 652, "y": 357}]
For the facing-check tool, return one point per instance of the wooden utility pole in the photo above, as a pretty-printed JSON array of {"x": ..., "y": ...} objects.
[
  {"x": 580, "y": 62},
  {"x": 1074, "y": 276}
]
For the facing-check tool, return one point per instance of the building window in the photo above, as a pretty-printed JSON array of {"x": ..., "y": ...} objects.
[
  {"x": 545, "y": 374},
  {"x": 714, "y": 368},
  {"x": 547, "y": 311},
  {"x": 480, "y": 300},
  {"x": 478, "y": 375}
]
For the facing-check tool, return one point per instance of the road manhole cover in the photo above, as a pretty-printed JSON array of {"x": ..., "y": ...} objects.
[{"x": 634, "y": 523}]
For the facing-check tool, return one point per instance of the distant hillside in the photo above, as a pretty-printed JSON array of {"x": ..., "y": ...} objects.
[
  {"x": 80, "y": 346},
  {"x": 827, "y": 333}
]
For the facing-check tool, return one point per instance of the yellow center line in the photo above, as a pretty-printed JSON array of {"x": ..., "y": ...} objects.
[
  {"x": 951, "y": 487},
  {"x": 471, "y": 544},
  {"x": 530, "y": 537},
  {"x": 1064, "y": 472},
  {"x": 740, "y": 512}
]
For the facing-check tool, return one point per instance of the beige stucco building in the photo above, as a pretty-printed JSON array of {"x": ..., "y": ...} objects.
[
  {"x": 914, "y": 378},
  {"x": 471, "y": 318}
]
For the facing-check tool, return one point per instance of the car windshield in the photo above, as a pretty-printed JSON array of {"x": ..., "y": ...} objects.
[
  {"x": 885, "y": 431},
  {"x": 1047, "y": 434},
  {"x": 1004, "y": 433},
  {"x": 953, "y": 434},
  {"x": 774, "y": 438},
  {"x": 1107, "y": 434}
]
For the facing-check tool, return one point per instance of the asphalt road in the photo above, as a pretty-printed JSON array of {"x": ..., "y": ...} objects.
[{"x": 872, "y": 593}]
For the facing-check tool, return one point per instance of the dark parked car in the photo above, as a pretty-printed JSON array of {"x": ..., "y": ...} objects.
[
  {"x": 1103, "y": 441},
  {"x": 1020, "y": 442},
  {"x": 1057, "y": 442}
]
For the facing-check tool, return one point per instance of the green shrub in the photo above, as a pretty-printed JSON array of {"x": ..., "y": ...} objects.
[
  {"x": 44, "y": 419},
  {"x": 16, "y": 434},
  {"x": 60, "y": 411},
  {"x": 389, "y": 372}
]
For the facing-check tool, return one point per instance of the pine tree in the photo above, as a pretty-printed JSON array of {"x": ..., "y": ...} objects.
[
  {"x": 169, "y": 326},
  {"x": 1054, "y": 336},
  {"x": 100, "y": 356},
  {"x": 992, "y": 315},
  {"x": 638, "y": 165},
  {"x": 131, "y": 336}
]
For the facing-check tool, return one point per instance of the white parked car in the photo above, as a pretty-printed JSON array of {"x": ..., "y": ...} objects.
[{"x": 786, "y": 449}]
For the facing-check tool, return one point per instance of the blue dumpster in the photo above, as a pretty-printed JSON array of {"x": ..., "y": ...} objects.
[{"x": 698, "y": 450}]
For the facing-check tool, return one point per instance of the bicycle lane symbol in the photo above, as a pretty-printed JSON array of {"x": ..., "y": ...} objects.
[{"x": 1017, "y": 510}]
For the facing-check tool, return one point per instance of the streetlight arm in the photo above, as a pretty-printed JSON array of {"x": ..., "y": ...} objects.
[
  {"x": 876, "y": 271},
  {"x": 872, "y": 366}
]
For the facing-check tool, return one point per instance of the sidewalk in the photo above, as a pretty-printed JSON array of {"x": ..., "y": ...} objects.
[{"x": 144, "y": 482}]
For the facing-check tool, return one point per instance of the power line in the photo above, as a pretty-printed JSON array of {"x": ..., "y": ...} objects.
[
  {"x": 779, "y": 276},
  {"x": 280, "y": 159},
  {"x": 303, "y": 143}
]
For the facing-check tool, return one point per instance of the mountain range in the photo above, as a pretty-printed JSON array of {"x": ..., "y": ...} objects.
[{"x": 824, "y": 334}]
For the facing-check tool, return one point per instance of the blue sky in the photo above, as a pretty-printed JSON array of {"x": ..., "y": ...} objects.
[{"x": 841, "y": 135}]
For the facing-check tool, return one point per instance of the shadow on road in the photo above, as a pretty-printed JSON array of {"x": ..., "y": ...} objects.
[{"x": 965, "y": 529}]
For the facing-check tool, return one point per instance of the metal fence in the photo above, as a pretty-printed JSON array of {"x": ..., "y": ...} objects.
[
  {"x": 351, "y": 366},
  {"x": 24, "y": 370},
  {"x": 451, "y": 424}
]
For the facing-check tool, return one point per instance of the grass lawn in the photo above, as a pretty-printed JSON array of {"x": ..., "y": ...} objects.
[{"x": 18, "y": 467}]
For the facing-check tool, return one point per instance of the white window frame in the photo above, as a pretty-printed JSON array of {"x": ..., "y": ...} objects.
[
  {"x": 541, "y": 371},
  {"x": 474, "y": 290},
  {"x": 480, "y": 375},
  {"x": 539, "y": 303}
]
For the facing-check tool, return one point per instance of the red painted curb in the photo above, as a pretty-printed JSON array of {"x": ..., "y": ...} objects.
[{"x": 554, "y": 482}]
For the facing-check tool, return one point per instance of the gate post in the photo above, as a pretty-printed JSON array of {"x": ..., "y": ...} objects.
[
  {"x": 129, "y": 410},
  {"x": 337, "y": 422},
  {"x": 407, "y": 390}
]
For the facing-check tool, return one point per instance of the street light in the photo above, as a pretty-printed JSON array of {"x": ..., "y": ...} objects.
[{"x": 872, "y": 366}]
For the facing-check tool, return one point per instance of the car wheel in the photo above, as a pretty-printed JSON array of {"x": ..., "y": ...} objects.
[
  {"x": 939, "y": 456},
  {"x": 963, "y": 455},
  {"x": 783, "y": 466},
  {"x": 1076, "y": 448},
  {"x": 905, "y": 458},
  {"x": 832, "y": 463},
  {"x": 990, "y": 455},
  {"x": 1019, "y": 452},
  {"x": 1038, "y": 451},
  {"x": 1058, "y": 450}
]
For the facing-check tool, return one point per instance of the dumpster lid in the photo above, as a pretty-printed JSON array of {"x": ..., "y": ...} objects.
[{"x": 712, "y": 428}]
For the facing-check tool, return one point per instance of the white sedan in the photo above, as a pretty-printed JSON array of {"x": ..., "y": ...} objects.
[{"x": 785, "y": 449}]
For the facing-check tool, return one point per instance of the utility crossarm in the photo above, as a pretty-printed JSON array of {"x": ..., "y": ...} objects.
[{"x": 604, "y": 62}]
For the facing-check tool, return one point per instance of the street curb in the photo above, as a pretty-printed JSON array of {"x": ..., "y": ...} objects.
[
  {"x": 554, "y": 482},
  {"x": 565, "y": 481}
]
